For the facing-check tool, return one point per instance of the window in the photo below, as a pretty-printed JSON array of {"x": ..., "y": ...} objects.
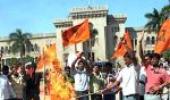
[
  {"x": 153, "y": 40},
  {"x": 36, "y": 48},
  {"x": 6, "y": 49},
  {"x": 9, "y": 50},
  {"x": 149, "y": 52},
  {"x": 148, "y": 41},
  {"x": 135, "y": 42},
  {"x": 152, "y": 51},
  {"x": 2, "y": 49}
]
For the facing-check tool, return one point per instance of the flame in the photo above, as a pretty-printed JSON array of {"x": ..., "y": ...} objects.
[
  {"x": 49, "y": 55},
  {"x": 60, "y": 89}
]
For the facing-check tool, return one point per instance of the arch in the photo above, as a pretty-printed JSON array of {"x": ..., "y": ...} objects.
[
  {"x": 152, "y": 51},
  {"x": 36, "y": 47},
  {"x": 153, "y": 40},
  {"x": 135, "y": 41},
  {"x": 148, "y": 40},
  {"x": 2, "y": 49},
  {"x": 149, "y": 52},
  {"x": 9, "y": 49},
  {"x": 6, "y": 49}
]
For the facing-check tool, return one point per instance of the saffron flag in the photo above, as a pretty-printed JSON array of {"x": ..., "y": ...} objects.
[
  {"x": 163, "y": 38},
  {"x": 123, "y": 47},
  {"x": 76, "y": 34}
]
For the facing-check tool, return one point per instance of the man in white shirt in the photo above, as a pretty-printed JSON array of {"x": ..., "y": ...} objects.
[
  {"x": 81, "y": 77},
  {"x": 6, "y": 91},
  {"x": 127, "y": 78}
]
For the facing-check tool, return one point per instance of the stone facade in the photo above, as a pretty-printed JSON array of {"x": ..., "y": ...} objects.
[
  {"x": 38, "y": 41},
  {"x": 148, "y": 41},
  {"x": 109, "y": 28}
]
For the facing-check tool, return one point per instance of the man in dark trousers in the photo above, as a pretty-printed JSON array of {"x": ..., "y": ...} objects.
[{"x": 31, "y": 90}]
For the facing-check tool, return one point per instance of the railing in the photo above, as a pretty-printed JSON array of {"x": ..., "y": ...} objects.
[{"x": 89, "y": 95}]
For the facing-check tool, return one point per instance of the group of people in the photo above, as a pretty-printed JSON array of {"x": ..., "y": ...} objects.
[
  {"x": 145, "y": 81},
  {"x": 19, "y": 82},
  {"x": 142, "y": 77},
  {"x": 89, "y": 78}
]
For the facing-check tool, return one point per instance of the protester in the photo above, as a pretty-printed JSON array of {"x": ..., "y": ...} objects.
[
  {"x": 32, "y": 79},
  {"x": 166, "y": 90},
  {"x": 155, "y": 75},
  {"x": 18, "y": 82},
  {"x": 142, "y": 75},
  {"x": 110, "y": 78},
  {"x": 6, "y": 91},
  {"x": 67, "y": 75},
  {"x": 81, "y": 77},
  {"x": 96, "y": 83},
  {"x": 127, "y": 78},
  {"x": 156, "y": 79}
]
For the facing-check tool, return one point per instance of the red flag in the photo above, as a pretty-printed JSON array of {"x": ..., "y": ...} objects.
[
  {"x": 124, "y": 45},
  {"x": 76, "y": 34},
  {"x": 163, "y": 38}
]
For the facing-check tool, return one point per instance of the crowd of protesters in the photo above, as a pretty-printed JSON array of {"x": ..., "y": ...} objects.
[
  {"x": 148, "y": 80},
  {"x": 140, "y": 78},
  {"x": 20, "y": 82},
  {"x": 98, "y": 81}
]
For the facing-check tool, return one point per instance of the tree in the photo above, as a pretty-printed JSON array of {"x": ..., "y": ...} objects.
[
  {"x": 155, "y": 20},
  {"x": 20, "y": 42},
  {"x": 166, "y": 11}
]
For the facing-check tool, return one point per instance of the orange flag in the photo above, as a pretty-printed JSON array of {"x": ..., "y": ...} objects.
[
  {"x": 124, "y": 45},
  {"x": 49, "y": 54},
  {"x": 163, "y": 38},
  {"x": 76, "y": 34}
]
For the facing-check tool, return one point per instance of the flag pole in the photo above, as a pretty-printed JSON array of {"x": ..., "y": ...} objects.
[
  {"x": 90, "y": 96},
  {"x": 91, "y": 53},
  {"x": 75, "y": 47},
  {"x": 43, "y": 76}
]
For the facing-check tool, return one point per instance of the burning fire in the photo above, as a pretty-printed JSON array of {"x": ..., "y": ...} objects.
[{"x": 60, "y": 89}]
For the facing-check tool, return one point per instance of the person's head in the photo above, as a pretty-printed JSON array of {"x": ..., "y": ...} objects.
[
  {"x": 81, "y": 64},
  {"x": 147, "y": 59},
  {"x": 29, "y": 68},
  {"x": 108, "y": 67},
  {"x": 13, "y": 70},
  {"x": 96, "y": 69},
  {"x": 128, "y": 58},
  {"x": 155, "y": 59},
  {"x": 111, "y": 78},
  {"x": 5, "y": 70},
  {"x": 21, "y": 70},
  {"x": 67, "y": 70}
]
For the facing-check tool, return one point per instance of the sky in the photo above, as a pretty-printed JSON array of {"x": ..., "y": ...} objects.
[{"x": 38, "y": 16}]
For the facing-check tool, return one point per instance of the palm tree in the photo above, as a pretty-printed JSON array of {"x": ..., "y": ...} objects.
[
  {"x": 166, "y": 11},
  {"x": 20, "y": 42},
  {"x": 155, "y": 20}
]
